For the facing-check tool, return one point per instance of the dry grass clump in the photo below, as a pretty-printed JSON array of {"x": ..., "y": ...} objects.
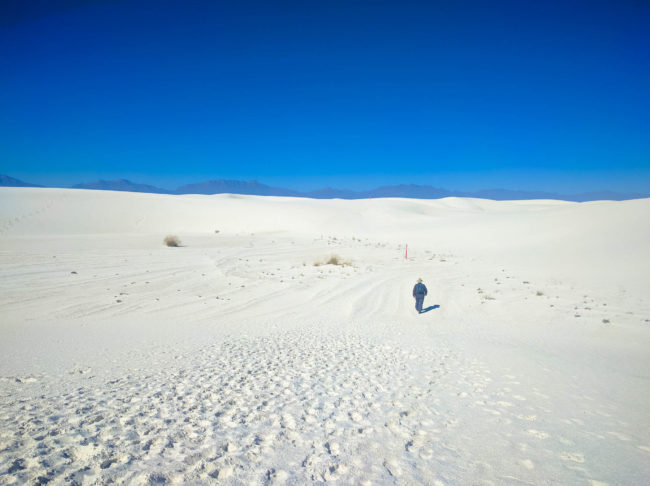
[
  {"x": 172, "y": 240},
  {"x": 333, "y": 260}
]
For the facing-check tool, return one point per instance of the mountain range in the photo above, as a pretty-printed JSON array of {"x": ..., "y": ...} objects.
[
  {"x": 222, "y": 186},
  {"x": 6, "y": 181}
]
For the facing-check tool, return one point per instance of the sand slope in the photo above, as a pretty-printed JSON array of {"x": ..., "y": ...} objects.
[{"x": 235, "y": 360}]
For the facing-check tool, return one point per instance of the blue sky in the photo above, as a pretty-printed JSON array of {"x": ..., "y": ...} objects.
[{"x": 464, "y": 95}]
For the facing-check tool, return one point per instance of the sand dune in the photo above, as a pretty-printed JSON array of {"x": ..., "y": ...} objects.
[{"x": 235, "y": 360}]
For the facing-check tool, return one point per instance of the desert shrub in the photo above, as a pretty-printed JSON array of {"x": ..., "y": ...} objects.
[
  {"x": 172, "y": 240},
  {"x": 334, "y": 260},
  {"x": 539, "y": 293}
]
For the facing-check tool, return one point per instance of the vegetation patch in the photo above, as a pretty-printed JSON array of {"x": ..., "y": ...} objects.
[
  {"x": 333, "y": 260},
  {"x": 172, "y": 240}
]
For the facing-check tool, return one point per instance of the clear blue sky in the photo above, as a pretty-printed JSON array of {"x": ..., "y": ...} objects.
[{"x": 549, "y": 95}]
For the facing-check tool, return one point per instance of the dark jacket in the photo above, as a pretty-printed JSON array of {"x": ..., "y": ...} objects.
[{"x": 419, "y": 289}]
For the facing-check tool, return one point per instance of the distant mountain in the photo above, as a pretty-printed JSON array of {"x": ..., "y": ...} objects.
[
  {"x": 331, "y": 193},
  {"x": 413, "y": 191},
  {"x": 508, "y": 195},
  {"x": 6, "y": 181},
  {"x": 429, "y": 192},
  {"x": 408, "y": 191},
  {"x": 121, "y": 185},
  {"x": 606, "y": 196},
  {"x": 222, "y": 186}
]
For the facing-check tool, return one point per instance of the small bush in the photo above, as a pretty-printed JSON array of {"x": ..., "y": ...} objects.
[
  {"x": 539, "y": 293},
  {"x": 334, "y": 260},
  {"x": 171, "y": 240}
]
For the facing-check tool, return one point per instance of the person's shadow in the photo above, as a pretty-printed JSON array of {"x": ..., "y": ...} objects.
[{"x": 431, "y": 307}]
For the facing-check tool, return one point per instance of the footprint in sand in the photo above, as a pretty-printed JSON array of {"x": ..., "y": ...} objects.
[
  {"x": 620, "y": 436},
  {"x": 426, "y": 454},
  {"x": 25, "y": 379},
  {"x": 528, "y": 464},
  {"x": 333, "y": 448},
  {"x": 277, "y": 476},
  {"x": 393, "y": 468},
  {"x": 529, "y": 418},
  {"x": 573, "y": 456},
  {"x": 538, "y": 434}
]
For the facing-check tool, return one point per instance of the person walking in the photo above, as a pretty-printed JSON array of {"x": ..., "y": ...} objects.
[{"x": 419, "y": 292}]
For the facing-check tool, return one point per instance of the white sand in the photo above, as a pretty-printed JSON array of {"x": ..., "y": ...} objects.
[{"x": 235, "y": 360}]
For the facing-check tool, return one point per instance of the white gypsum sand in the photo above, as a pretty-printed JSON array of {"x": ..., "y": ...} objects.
[{"x": 234, "y": 359}]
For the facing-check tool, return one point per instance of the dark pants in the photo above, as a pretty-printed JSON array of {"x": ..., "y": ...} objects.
[{"x": 419, "y": 300}]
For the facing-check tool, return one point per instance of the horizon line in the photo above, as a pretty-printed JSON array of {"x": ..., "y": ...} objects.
[{"x": 351, "y": 193}]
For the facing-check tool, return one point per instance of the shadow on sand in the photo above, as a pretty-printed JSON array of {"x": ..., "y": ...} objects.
[{"x": 431, "y": 307}]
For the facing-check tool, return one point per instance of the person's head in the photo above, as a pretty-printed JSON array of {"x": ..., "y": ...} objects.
[{"x": 419, "y": 280}]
